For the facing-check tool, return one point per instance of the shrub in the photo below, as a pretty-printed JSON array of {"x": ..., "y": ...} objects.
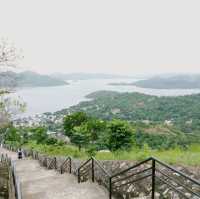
[
  {"x": 120, "y": 135},
  {"x": 51, "y": 141}
]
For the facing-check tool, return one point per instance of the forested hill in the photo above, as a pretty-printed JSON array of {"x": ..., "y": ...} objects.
[
  {"x": 173, "y": 82},
  {"x": 182, "y": 110},
  {"x": 166, "y": 82},
  {"x": 28, "y": 79}
]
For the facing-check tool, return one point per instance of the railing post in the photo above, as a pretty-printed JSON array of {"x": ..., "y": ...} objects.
[
  {"x": 61, "y": 170},
  {"x": 79, "y": 180},
  {"x": 153, "y": 178},
  {"x": 55, "y": 163},
  {"x": 110, "y": 188},
  {"x": 70, "y": 165},
  {"x": 92, "y": 170},
  {"x": 45, "y": 162}
]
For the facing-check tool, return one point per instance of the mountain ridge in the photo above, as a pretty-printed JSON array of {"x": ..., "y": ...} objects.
[
  {"x": 167, "y": 82},
  {"x": 87, "y": 76},
  {"x": 28, "y": 79}
]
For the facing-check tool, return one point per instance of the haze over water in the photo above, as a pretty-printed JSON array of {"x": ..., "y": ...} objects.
[{"x": 51, "y": 99}]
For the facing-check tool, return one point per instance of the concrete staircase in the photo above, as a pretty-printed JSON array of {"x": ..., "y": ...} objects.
[{"x": 40, "y": 183}]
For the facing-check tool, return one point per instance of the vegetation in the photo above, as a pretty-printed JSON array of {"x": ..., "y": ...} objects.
[
  {"x": 119, "y": 126},
  {"x": 71, "y": 121},
  {"x": 28, "y": 79},
  {"x": 9, "y": 106},
  {"x": 85, "y": 131},
  {"x": 183, "y": 112},
  {"x": 120, "y": 135},
  {"x": 114, "y": 140},
  {"x": 176, "y": 156}
]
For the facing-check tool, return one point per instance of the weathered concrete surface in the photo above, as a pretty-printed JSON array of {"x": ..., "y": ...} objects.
[
  {"x": 39, "y": 183},
  {"x": 4, "y": 179}
]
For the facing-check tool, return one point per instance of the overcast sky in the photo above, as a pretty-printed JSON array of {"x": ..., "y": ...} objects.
[{"x": 109, "y": 36}]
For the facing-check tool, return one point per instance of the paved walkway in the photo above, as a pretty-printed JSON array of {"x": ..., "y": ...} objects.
[{"x": 39, "y": 183}]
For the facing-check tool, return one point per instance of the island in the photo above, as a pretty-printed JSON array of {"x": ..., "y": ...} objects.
[
  {"x": 28, "y": 79},
  {"x": 171, "y": 82}
]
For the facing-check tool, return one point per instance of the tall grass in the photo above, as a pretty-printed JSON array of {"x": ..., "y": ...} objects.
[
  {"x": 176, "y": 156},
  {"x": 56, "y": 150}
]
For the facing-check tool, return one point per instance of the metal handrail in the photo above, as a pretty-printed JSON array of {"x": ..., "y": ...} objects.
[
  {"x": 132, "y": 167},
  {"x": 153, "y": 176},
  {"x": 133, "y": 181},
  {"x": 176, "y": 171},
  {"x": 52, "y": 164},
  {"x": 101, "y": 167},
  {"x": 84, "y": 164},
  {"x": 173, "y": 187},
  {"x": 93, "y": 163},
  {"x": 65, "y": 163},
  {"x": 129, "y": 176},
  {"x": 177, "y": 182},
  {"x": 156, "y": 174}
]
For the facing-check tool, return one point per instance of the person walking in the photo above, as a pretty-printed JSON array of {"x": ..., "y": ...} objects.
[{"x": 19, "y": 153}]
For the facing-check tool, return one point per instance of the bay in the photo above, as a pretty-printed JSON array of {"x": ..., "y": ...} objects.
[{"x": 51, "y": 99}]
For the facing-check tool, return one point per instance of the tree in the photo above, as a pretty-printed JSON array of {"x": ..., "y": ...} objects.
[
  {"x": 80, "y": 136},
  {"x": 120, "y": 135},
  {"x": 51, "y": 141},
  {"x": 13, "y": 135},
  {"x": 95, "y": 128},
  {"x": 73, "y": 120},
  {"x": 8, "y": 54},
  {"x": 84, "y": 131},
  {"x": 9, "y": 106},
  {"x": 40, "y": 135}
]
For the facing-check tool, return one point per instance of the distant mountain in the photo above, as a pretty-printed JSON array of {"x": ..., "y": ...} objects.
[
  {"x": 8, "y": 79},
  {"x": 86, "y": 76},
  {"x": 173, "y": 82},
  {"x": 28, "y": 79},
  {"x": 167, "y": 82}
]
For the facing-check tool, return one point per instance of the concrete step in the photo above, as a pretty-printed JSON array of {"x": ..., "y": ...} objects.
[{"x": 40, "y": 183}]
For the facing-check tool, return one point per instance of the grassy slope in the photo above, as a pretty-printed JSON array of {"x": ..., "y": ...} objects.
[
  {"x": 173, "y": 156},
  {"x": 137, "y": 107}
]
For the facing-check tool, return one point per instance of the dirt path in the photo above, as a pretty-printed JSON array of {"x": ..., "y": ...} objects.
[{"x": 39, "y": 183}]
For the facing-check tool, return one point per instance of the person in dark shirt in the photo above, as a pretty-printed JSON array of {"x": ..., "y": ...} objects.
[{"x": 19, "y": 153}]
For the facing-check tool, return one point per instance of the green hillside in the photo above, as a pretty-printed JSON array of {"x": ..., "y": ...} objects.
[{"x": 182, "y": 111}]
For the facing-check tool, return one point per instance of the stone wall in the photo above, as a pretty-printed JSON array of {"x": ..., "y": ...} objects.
[
  {"x": 140, "y": 188},
  {"x": 125, "y": 189},
  {"x": 7, "y": 190},
  {"x": 4, "y": 177}
]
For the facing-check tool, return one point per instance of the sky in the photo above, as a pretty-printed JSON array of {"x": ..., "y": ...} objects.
[{"x": 104, "y": 36}]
